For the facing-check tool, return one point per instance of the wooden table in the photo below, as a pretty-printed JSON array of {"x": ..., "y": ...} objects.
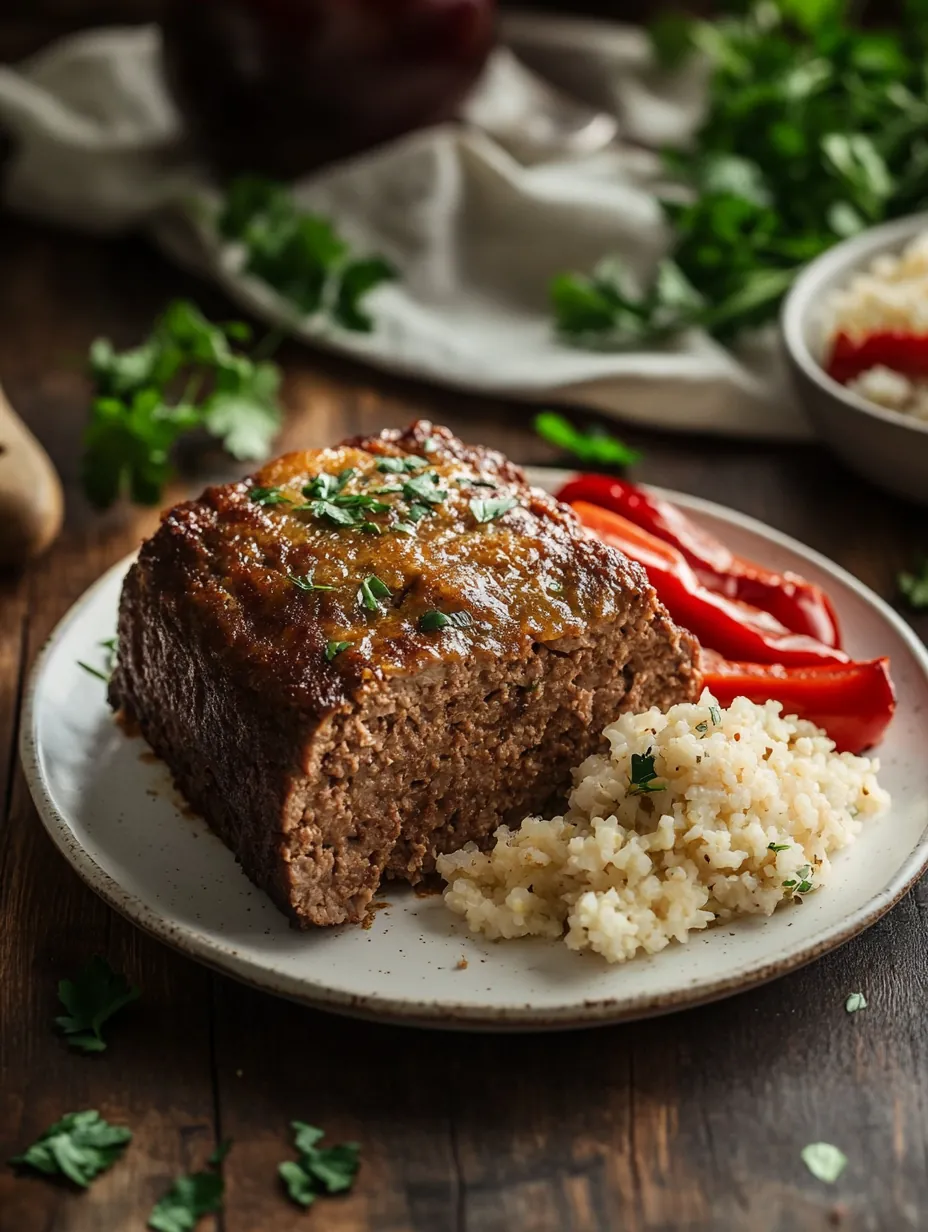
[{"x": 691, "y": 1121}]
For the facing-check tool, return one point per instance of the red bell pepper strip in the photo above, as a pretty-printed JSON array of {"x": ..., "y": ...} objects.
[
  {"x": 893, "y": 348},
  {"x": 853, "y": 702},
  {"x": 734, "y": 629},
  {"x": 797, "y": 604}
]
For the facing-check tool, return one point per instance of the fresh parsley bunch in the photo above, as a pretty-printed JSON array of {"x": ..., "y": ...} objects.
[
  {"x": 185, "y": 377},
  {"x": 814, "y": 130},
  {"x": 300, "y": 255}
]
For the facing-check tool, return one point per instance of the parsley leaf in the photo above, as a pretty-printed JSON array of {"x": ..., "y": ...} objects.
[
  {"x": 715, "y": 715},
  {"x": 109, "y": 644},
  {"x": 432, "y": 621},
  {"x": 188, "y": 1199},
  {"x": 80, "y": 1146},
  {"x": 149, "y": 397},
  {"x": 91, "y": 998},
  {"x": 778, "y": 846},
  {"x": 824, "y": 1161},
  {"x": 491, "y": 509},
  {"x": 594, "y": 448},
  {"x": 300, "y": 255},
  {"x": 399, "y": 466},
  {"x": 306, "y": 582},
  {"x": 424, "y": 489},
  {"x": 269, "y": 496},
  {"x": 335, "y": 648},
  {"x": 643, "y": 778},
  {"x": 371, "y": 590},
  {"x": 914, "y": 586},
  {"x": 320, "y": 1170},
  {"x": 855, "y": 1002}
]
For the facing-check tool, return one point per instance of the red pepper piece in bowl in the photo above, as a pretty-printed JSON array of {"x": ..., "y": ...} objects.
[
  {"x": 798, "y": 604},
  {"x": 853, "y": 702},
  {"x": 891, "y": 348},
  {"x": 736, "y": 630}
]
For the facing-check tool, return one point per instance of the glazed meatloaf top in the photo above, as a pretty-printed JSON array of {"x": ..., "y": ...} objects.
[{"x": 330, "y": 569}]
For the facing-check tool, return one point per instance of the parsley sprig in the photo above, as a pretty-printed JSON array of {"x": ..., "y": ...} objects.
[
  {"x": 191, "y": 1196},
  {"x": 95, "y": 994},
  {"x": 319, "y": 1170},
  {"x": 815, "y": 129},
  {"x": 595, "y": 447},
  {"x": 300, "y": 255},
  {"x": 185, "y": 377},
  {"x": 80, "y": 1146}
]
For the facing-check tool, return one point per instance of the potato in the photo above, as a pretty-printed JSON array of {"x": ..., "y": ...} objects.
[{"x": 31, "y": 498}]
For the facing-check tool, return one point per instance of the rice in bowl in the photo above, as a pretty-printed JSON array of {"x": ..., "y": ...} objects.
[{"x": 742, "y": 813}]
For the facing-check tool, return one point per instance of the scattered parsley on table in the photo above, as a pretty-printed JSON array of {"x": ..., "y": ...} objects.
[
  {"x": 319, "y": 1170},
  {"x": 80, "y": 1146},
  {"x": 95, "y": 994}
]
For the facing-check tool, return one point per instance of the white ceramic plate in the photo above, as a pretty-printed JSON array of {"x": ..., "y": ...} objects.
[{"x": 114, "y": 814}]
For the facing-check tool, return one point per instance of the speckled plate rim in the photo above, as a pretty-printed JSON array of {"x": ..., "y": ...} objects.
[{"x": 445, "y": 1015}]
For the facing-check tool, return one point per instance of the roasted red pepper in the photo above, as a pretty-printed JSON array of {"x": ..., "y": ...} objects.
[
  {"x": 897, "y": 349},
  {"x": 799, "y": 605},
  {"x": 853, "y": 702},
  {"x": 736, "y": 630}
]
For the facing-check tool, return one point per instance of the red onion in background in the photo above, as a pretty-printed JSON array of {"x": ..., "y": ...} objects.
[{"x": 283, "y": 86}]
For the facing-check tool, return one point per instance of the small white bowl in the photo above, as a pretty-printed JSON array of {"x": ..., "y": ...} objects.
[{"x": 887, "y": 447}]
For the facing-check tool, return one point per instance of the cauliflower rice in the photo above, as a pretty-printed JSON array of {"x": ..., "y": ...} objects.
[{"x": 745, "y": 808}]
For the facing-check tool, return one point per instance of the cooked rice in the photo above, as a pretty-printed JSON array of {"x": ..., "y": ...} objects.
[
  {"x": 891, "y": 294},
  {"x": 626, "y": 871}
]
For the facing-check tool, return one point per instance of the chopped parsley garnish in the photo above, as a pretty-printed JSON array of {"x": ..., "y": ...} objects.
[
  {"x": 489, "y": 510},
  {"x": 824, "y": 1161},
  {"x": 555, "y": 588},
  {"x": 702, "y": 727},
  {"x": 335, "y": 648},
  {"x": 643, "y": 778},
  {"x": 91, "y": 998},
  {"x": 328, "y": 511},
  {"x": 371, "y": 590},
  {"x": 778, "y": 846},
  {"x": 148, "y": 397},
  {"x": 715, "y": 715},
  {"x": 360, "y": 500},
  {"x": 467, "y": 482},
  {"x": 109, "y": 645},
  {"x": 399, "y": 466},
  {"x": 594, "y": 448},
  {"x": 324, "y": 486},
  {"x": 306, "y": 582},
  {"x": 429, "y": 445},
  {"x": 914, "y": 586},
  {"x": 298, "y": 254},
  {"x": 856, "y": 1001},
  {"x": 269, "y": 496},
  {"x": 388, "y": 490},
  {"x": 80, "y": 1146},
  {"x": 191, "y": 1197},
  {"x": 432, "y": 621},
  {"x": 424, "y": 489},
  {"x": 802, "y": 882},
  {"x": 371, "y": 528},
  {"x": 417, "y": 512},
  {"x": 319, "y": 1170},
  {"x": 404, "y": 528}
]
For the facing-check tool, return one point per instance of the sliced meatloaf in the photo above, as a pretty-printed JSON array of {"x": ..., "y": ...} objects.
[{"x": 364, "y": 656}]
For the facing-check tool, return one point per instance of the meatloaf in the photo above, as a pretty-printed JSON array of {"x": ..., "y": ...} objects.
[{"x": 365, "y": 656}]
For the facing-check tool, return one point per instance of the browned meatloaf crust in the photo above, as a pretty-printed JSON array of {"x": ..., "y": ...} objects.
[{"x": 325, "y": 768}]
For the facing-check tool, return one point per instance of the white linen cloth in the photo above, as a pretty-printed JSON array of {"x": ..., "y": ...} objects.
[{"x": 477, "y": 217}]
